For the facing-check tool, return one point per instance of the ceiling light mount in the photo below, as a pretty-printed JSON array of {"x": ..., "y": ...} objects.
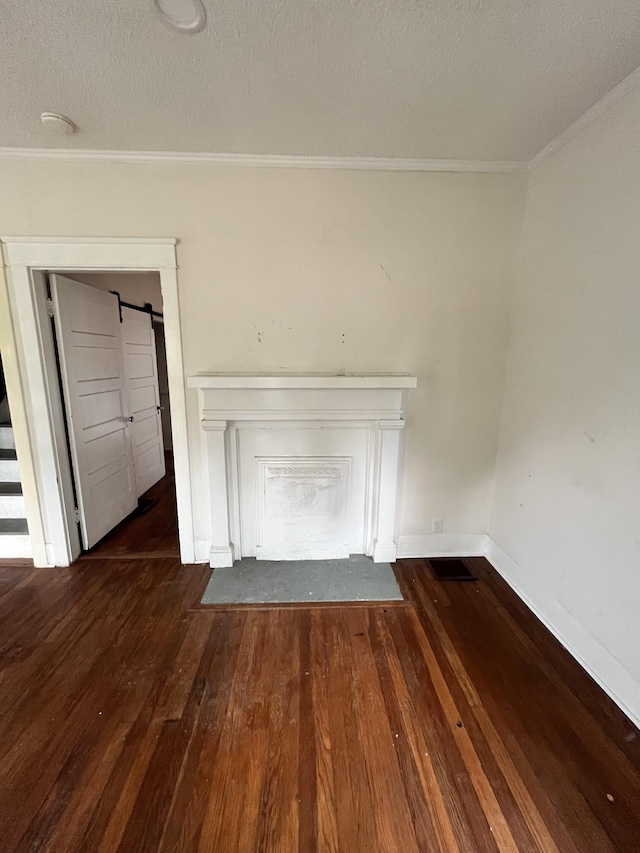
[{"x": 184, "y": 16}]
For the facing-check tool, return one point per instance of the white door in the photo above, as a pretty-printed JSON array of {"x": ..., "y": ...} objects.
[
  {"x": 93, "y": 383},
  {"x": 141, "y": 371}
]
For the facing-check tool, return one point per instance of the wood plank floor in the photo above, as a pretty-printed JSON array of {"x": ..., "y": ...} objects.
[
  {"x": 153, "y": 534},
  {"x": 133, "y": 720}
]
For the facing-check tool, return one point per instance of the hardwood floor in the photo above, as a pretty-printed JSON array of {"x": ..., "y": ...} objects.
[
  {"x": 133, "y": 720},
  {"x": 153, "y": 534}
]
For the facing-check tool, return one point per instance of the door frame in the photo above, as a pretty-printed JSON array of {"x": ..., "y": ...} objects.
[{"x": 43, "y": 467}]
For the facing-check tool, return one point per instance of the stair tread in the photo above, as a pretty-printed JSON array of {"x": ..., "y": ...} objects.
[
  {"x": 7, "y": 488},
  {"x": 13, "y": 526},
  {"x": 8, "y": 453}
]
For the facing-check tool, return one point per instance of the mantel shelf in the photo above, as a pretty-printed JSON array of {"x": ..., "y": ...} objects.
[{"x": 310, "y": 381}]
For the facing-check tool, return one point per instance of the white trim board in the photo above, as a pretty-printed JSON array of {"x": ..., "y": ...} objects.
[
  {"x": 89, "y": 253},
  {"x": 271, "y": 161},
  {"x": 442, "y": 545},
  {"x": 592, "y": 114},
  {"x": 39, "y": 460},
  {"x": 591, "y": 655},
  {"x": 311, "y": 380}
]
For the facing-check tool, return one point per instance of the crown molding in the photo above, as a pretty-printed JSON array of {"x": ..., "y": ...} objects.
[
  {"x": 382, "y": 164},
  {"x": 378, "y": 164},
  {"x": 592, "y": 114},
  {"x": 100, "y": 241}
]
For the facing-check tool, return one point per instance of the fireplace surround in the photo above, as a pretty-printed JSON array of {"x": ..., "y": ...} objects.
[{"x": 302, "y": 467}]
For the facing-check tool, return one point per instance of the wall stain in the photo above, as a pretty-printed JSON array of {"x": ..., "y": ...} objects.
[{"x": 387, "y": 274}]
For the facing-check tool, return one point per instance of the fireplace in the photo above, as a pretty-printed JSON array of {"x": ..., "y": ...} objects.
[{"x": 302, "y": 467}]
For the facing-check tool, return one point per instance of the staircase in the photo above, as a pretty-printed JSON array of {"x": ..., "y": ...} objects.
[{"x": 14, "y": 533}]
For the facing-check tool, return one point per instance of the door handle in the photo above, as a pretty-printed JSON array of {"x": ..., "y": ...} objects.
[
  {"x": 129, "y": 419},
  {"x": 160, "y": 408}
]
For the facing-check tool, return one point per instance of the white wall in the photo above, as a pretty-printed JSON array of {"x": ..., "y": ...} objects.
[
  {"x": 137, "y": 288},
  {"x": 302, "y": 270},
  {"x": 566, "y": 514}
]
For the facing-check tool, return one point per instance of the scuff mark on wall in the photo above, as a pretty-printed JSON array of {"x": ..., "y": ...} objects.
[{"x": 386, "y": 272}]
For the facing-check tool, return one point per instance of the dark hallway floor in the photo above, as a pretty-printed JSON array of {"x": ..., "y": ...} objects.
[{"x": 152, "y": 534}]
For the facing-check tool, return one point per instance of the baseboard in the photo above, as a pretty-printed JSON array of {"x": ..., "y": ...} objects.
[
  {"x": 618, "y": 683},
  {"x": 201, "y": 551},
  {"x": 442, "y": 545},
  {"x": 221, "y": 556},
  {"x": 384, "y": 553}
]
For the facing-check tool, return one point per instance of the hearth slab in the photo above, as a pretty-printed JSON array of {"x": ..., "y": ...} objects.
[{"x": 252, "y": 581}]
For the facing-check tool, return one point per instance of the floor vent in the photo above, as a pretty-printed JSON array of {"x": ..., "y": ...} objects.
[{"x": 446, "y": 569}]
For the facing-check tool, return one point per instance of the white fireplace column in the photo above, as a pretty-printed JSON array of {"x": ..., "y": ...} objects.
[
  {"x": 302, "y": 467},
  {"x": 384, "y": 545},
  {"x": 221, "y": 551}
]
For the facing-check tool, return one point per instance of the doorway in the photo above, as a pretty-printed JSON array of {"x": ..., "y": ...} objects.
[
  {"x": 108, "y": 330},
  {"x": 41, "y": 445}
]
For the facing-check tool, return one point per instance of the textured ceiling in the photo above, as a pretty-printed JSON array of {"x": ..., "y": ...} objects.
[{"x": 463, "y": 79}]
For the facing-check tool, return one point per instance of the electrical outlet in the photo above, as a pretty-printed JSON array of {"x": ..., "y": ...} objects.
[{"x": 437, "y": 525}]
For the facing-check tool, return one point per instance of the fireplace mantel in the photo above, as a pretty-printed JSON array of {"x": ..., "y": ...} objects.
[
  {"x": 307, "y": 380},
  {"x": 302, "y": 466}
]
